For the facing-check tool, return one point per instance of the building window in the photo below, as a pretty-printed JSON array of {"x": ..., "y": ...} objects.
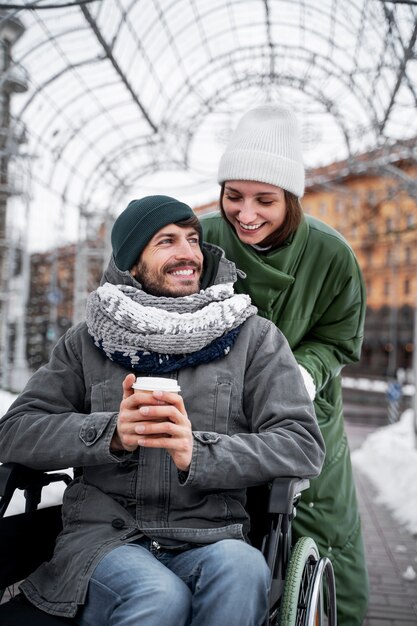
[
  {"x": 407, "y": 255},
  {"x": 389, "y": 259},
  {"x": 355, "y": 200},
  {"x": 387, "y": 288},
  {"x": 407, "y": 286},
  {"x": 410, "y": 220},
  {"x": 389, "y": 224},
  {"x": 371, "y": 198}
]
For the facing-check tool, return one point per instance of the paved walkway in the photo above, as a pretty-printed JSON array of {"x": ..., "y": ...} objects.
[{"x": 390, "y": 551}]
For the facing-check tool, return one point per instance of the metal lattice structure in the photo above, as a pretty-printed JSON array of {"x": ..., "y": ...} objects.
[{"x": 129, "y": 97}]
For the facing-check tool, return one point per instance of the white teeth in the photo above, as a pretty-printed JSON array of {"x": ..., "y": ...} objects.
[
  {"x": 250, "y": 227},
  {"x": 183, "y": 272}
]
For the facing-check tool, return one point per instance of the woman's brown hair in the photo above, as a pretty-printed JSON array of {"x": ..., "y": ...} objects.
[{"x": 293, "y": 217}]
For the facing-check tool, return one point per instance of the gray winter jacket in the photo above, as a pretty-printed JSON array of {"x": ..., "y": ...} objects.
[{"x": 252, "y": 420}]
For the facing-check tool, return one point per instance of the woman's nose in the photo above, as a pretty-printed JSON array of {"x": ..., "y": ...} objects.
[{"x": 247, "y": 213}]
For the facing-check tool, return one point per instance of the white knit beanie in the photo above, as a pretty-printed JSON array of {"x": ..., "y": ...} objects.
[{"x": 265, "y": 147}]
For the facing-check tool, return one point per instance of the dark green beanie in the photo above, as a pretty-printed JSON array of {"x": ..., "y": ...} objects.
[{"x": 139, "y": 222}]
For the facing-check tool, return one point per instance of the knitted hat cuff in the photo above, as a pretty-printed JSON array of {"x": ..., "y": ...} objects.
[{"x": 264, "y": 168}]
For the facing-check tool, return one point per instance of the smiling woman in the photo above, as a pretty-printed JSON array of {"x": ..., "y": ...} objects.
[{"x": 304, "y": 277}]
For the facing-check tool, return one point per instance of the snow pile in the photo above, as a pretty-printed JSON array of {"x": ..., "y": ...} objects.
[
  {"x": 6, "y": 399},
  {"x": 388, "y": 457},
  {"x": 50, "y": 495}
]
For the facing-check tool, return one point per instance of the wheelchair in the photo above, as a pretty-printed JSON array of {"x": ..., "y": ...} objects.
[{"x": 302, "y": 583}]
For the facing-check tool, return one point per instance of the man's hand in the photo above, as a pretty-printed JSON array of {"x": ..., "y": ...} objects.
[{"x": 157, "y": 420}]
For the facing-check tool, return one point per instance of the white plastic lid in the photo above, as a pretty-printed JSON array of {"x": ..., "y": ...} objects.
[{"x": 156, "y": 384}]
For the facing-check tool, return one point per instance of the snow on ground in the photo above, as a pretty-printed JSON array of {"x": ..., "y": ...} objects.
[
  {"x": 51, "y": 494},
  {"x": 6, "y": 399},
  {"x": 388, "y": 457}
]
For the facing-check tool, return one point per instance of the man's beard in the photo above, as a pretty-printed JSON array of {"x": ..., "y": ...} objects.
[{"x": 153, "y": 282}]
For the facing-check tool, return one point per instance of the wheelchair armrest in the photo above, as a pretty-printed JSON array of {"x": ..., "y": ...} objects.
[
  {"x": 15, "y": 476},
  {"x": 283, "y": 493}
]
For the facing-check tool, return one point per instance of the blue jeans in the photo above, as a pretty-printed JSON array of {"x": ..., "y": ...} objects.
[{"x": 221, "y": 584}]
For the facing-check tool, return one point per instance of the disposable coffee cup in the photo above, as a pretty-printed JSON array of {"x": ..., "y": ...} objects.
[{"x": 150, "y": 384}]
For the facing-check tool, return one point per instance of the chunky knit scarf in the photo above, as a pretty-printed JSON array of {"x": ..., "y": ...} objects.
[{"x": 161, "y": 334}]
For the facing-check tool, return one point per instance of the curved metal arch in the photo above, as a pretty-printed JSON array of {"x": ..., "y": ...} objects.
[
  {"x": 209, "y": 9},
  {"x": 393, "y": 24},
  {"x": 36, "y": 5},
  {"x": 62, "y": 161},
  {"x": 70, "y": 67},
  {"x": 146, "y": 168},
  {"x": 145, "y": 172},
  {"x": 341, "y": 75},
  {"x": 117, "y": 67},
  {"x": 183, "y": 94},
  {"x": 46, "y": 42},
  {"x": 320, "y": 35},
  {"x": 223, "y": 93},
  {"x": 58, "y": 75},
  {"x": 108, "y": 130},
  {"x": 233, "y": 87},
  {"x": 140, "y": 46},
  {"x": 53, "y": 78},
  {"x": 109, "y": 169},
  {"x": 68, "y": 103},
  {"x": 59, "y": 195},
  {"x": 222, "y": 96},
  {"x": 146, "y": 141},
  {"x": 228, "y": 59}
]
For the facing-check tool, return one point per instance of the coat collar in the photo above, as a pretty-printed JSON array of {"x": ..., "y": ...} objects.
[{"x": 271, "y": 273}]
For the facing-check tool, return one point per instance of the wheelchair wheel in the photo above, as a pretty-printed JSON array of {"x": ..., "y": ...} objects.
[{"x": 309, "y": 596}]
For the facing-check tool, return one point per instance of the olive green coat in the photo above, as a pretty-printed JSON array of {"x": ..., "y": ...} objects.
[{"x": 312, "y": 289}]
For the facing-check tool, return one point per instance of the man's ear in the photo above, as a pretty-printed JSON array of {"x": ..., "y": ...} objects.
[{"x": 134, "y": 270}]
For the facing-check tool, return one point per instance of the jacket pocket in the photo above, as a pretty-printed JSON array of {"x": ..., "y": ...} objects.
[
  {"x": 235, "y": 511},
  {"x": 106, "y": 396},
  {"x": 222, "y": 406}
]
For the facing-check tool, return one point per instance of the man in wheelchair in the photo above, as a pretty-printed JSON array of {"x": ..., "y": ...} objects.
[{"x": 155, "y": 529}]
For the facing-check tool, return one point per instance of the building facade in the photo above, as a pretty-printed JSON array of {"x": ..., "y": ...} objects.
[{"x": 375, "y": 209}]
